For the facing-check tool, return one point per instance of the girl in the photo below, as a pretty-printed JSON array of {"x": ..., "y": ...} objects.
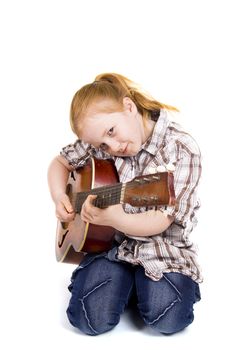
[{"x": 152, "y": 258}]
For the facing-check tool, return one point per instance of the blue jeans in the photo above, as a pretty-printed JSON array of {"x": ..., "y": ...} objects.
[{"x": 101, "y": 288}]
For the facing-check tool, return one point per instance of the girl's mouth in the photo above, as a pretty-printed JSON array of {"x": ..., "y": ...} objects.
[{"x": 125, "y": 150}]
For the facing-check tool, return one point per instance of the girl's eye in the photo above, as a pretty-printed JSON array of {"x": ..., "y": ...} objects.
[
  {"x": 110, "y": 131},
  {"x": 103, "y": 146}
]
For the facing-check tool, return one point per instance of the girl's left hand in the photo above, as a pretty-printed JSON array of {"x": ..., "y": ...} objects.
[{"x": 106, "y": 217}]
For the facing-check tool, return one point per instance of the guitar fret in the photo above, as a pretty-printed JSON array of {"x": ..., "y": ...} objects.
[{"x": 106, "y": 196}]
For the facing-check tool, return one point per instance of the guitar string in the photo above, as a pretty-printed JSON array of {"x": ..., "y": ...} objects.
[
  {"x": 100, "y": 201},
  {"x": 105, "y": 202},
  {"x": 114, "y": 196},
  {"x": 101, "y": 195},
  {"x": 112, "y": 189},
  {"x": 117, "y": 186}
]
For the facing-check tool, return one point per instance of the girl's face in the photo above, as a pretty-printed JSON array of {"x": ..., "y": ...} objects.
[{"x": 120, "y": 133}]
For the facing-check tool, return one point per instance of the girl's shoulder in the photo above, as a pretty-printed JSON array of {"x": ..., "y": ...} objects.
[{"x": 179, "y": 134}]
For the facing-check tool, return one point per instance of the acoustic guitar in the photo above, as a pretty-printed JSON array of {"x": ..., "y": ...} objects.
[{"x": 100, "y": 177}]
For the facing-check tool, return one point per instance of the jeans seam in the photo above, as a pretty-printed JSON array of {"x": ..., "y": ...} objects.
[
  {"x": 164, "y": 312},
  {"x": 178, "y": 299},
  {"x": 167, "y": 279},
  {"x": 130, "y": 290},
  {"x": 83, "y": 304}
]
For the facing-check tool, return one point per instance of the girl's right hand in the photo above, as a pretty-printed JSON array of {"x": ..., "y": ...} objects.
[{"x": 64, "y": 209}]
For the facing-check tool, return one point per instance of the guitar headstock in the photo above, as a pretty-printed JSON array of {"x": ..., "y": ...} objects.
[{"x": 150, "y": 190}]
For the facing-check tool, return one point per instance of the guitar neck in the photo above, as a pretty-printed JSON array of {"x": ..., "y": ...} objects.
[
  {"x": 106, "y": 196},
  {"x": 146, "y": 190}
]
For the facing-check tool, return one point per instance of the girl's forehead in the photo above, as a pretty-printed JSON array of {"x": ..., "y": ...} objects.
[
  {"x": 95, "y": 125},
  {"x": 102, "y": 106},
  {"x": 101, "y": 119},
  {"x": 97, "y": 118}
]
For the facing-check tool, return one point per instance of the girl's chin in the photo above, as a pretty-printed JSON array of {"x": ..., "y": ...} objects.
[{"x": 129, "y": 152}]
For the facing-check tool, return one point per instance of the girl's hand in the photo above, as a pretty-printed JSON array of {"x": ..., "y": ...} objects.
[
  {"x": 107, "y": 217},
  {"x": 64, "y": 209}
]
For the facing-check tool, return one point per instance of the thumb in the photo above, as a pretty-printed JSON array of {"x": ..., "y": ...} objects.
[
  {"x": 68, "y": 205},
  {"x": 91, "y": 198}
]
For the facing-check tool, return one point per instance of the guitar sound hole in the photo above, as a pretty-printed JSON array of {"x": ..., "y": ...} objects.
[
  {"x": 69, "y": 190},
  {"x": 64, "y": 225},
  {"x": 63, "y": 238}
]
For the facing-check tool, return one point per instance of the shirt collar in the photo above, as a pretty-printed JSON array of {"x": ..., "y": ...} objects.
[{"x": 155, "y": 141}]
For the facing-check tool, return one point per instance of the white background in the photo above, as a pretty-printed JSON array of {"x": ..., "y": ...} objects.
[{"x": 179, "y": 51}]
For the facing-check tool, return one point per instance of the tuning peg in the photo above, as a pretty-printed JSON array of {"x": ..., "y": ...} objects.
[{"x": 146, "y": 179}]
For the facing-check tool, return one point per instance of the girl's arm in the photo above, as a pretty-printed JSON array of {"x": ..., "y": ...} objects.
[
  {"x": 58, "y": 174},
  {"x": 149, "y": 223}
]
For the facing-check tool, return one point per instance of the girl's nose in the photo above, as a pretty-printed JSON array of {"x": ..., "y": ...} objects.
[{"x": 114, "y": 146}]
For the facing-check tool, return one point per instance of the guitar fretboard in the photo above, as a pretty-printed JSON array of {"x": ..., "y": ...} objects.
[{"x": 106, "y": 196}]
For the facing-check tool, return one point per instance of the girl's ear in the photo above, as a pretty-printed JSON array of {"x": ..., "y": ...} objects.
[{"x": 129, "y": 105}]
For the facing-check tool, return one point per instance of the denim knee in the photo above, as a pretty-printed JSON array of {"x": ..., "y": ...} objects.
[
  {"x": 167, "y": 305},
  {"x": 75, "y": 317},
  {"x": 89, "y": 319},
  {"x": 100, "y": 292},
  {"x": 104, "y": 327},
  {"x": 175, "y": 319}
]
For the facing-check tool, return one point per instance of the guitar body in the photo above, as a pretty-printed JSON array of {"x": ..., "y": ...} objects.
[
  {"x": 100, "y": 177},
  {"x": 76, "y": 237}
]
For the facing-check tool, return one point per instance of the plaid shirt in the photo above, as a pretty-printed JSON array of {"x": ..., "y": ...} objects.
[{"x": 171, "y": 250}]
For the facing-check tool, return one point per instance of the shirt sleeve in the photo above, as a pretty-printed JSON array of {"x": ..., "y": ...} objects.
[
  {"x": 186, "y": 179},
  {"x": 78, "y": 153}
]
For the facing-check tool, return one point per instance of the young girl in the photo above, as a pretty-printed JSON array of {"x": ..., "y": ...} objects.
[{"x": 152, "y": 257}]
